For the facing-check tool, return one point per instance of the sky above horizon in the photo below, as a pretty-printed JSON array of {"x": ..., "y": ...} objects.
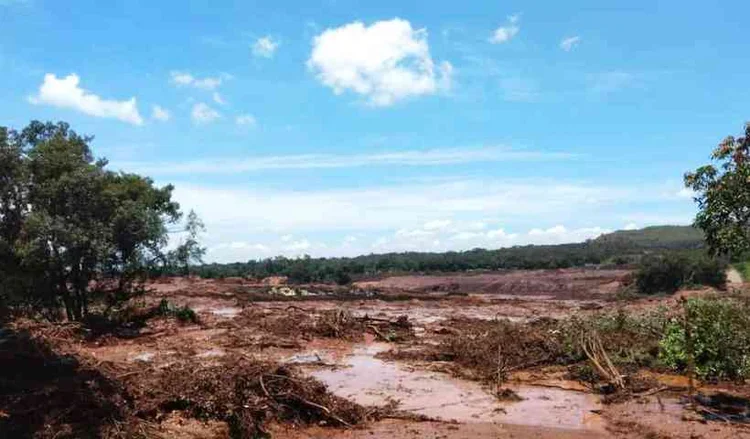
[{"x": 337, "y": 128}]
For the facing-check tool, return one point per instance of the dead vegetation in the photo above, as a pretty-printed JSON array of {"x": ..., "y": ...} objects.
[
  {"x": 244, "y": 393},
  {"x": 605, "y": 350}
]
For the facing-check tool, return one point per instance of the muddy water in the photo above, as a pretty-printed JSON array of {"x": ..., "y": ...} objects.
[{"x": 371, "y": 381}]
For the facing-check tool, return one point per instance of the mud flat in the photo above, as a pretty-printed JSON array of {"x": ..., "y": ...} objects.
[{"x": 274, "y": 350}]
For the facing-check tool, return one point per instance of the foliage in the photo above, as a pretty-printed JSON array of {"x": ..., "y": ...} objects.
[
  {"x": 69, "y": 228},
  {"x": 625, "y": 248},
  {"x": 631, "y": 340},
  {"x": 723, "y": 196},
  {"x": 184, "y": 313},
  {"x": 720, "y": 330},
  {"x": 189, "y": 251},
  {"x": 744, "y": 269},
  {"x": 668, "y": 273}
]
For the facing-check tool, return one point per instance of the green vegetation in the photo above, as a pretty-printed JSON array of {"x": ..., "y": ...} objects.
[
  {"x": 656, "y": 237},
  {"x": 616, "y": 248},
  {"x": 70, "y": 230},
  {"x": 723, "y": 197},
  {"x": 189, "y": 251},
  {"x": 668, "y": 273},
  {"x": 184, "y": 313},
  {"x": 720, "y": 332},
  {"x": 744, "y": 269}
]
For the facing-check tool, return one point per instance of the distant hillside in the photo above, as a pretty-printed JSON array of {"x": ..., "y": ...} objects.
[
  {"x": 656, "y": 237},
  {"x": 621, "y": 247}
]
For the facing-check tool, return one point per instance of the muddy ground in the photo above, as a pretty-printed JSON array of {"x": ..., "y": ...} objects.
[{"x": 348, "y": 340}]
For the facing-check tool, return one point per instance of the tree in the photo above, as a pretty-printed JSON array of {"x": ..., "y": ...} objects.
[
  {"x": 190, "y": 251},
  {"x": 723, "y": 196},
  {"x": 68, "y": 226}
]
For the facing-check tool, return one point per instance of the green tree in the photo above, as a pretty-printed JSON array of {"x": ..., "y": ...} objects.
[
  {"x": 190, "y": 251},
  {"x": 723, "y": 196},
  {"x": 70, "y": 228}
]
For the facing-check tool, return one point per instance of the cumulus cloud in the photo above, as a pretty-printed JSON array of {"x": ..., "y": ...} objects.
[
  {"x": 265, "y": 47},
  {"x": 246, "y": 120},
  {"x": 185, "y": 79},
  {"x": 67, "y": 93},
  {"x": 203, "y": 114},
  {"x": 506, "y": 32},
  {"x": 160, "y": 113},
  {"x": 568, "y": 44},
  {"x": 385, "y": 62}
]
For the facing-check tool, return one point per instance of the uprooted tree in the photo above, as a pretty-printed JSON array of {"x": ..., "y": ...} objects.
[
  {"x": 71, "y": 230},
  {"x": 723, "y": 196}
]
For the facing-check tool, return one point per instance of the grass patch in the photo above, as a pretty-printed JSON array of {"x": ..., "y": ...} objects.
[{"x": 744, "y": 269}]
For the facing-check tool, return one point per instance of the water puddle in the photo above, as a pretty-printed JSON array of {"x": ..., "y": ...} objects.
[
  {"x": 144, "y": 357},
  {"x": 371, "y": 381},
  {"x": 228, "y": 312}
]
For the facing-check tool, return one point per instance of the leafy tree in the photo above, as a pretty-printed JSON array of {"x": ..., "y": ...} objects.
[
  {"x": 190, "y": 251},
  {"x": 68, "y": 226},
  {"x": 723, "y": 196}
]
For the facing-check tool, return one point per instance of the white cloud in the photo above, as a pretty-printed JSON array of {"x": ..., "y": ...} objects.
[
  {"x": 505, "y": 33},
  {"x": 430, "y": 157},
  {"x": 395, "y": 207},
  {"x": 186, "y": 79},
  {"x": 300, "y": 245},
  {"x": 436, "y": 224},
  {"x": 568, "y": 44},
  {"x": 67, "y": 93},
  {"x": 265, "y": 47},
  {"x": 202, "y": 113},
  {"x": 685, "y": 193},
  {"x": 630, "y": 226},
  {"x": 160, "y": 113},
  {"x": 218, "y": 98},
  {"x": 560, "y": 234},
  {"x": 460, "y": 213},
  {"x": 385, "y": 62},
  {"x": 246, "y": 120}
]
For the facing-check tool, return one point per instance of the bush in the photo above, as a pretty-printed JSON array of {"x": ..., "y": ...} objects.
[
  {"x": 668, "y": 273},
  {"x": 183, "y": 314},
  {"x": 186, "y": 314},
  {"x": 720, "y": 331}
]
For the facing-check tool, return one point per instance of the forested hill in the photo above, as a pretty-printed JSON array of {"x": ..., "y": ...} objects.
[
  {"x": 659, "y": 237},
  {"x": 615, "y": 248}
]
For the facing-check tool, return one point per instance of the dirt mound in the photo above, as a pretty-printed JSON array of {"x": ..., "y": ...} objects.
[{"x": 559, "y": 284}]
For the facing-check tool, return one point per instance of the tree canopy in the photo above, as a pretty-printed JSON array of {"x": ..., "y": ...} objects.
[
  {"x": 69, "y": 228},
  {"x": 723, "y": 196}
]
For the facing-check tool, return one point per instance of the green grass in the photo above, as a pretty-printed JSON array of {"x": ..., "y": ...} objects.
[{"x": 744, "y": 269}]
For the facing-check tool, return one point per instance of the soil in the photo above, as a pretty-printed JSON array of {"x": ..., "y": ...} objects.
[{"x": 334, "y": 350}]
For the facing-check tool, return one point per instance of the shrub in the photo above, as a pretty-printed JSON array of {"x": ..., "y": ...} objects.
[
  {"x": 183, "y": 314},
  {"x": 720, "y": 331},
  {"x": 668, "y": 273},
  {"x": 186, "y": 314}
]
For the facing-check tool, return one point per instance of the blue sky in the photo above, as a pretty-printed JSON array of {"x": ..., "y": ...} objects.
[{"x": 340, "y": 128}]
